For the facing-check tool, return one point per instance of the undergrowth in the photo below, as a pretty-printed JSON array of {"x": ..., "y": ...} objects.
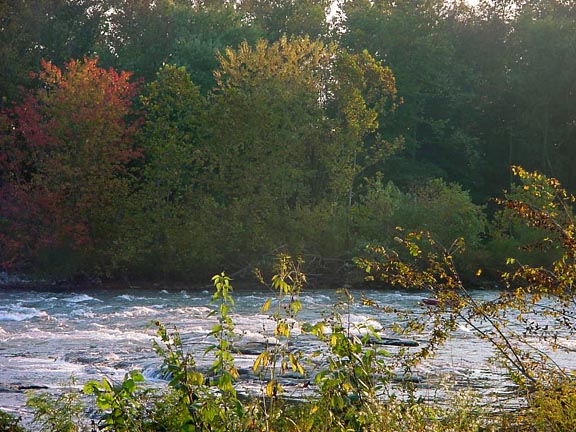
[
  {"x": 350, "y": 373},
  {"x": 352, "y": 388}
]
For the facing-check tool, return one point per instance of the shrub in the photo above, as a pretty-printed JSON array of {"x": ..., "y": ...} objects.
[
  {"x": 512, "y": 322},
  {"x": 9, "y": 423},
  {"x": 62, "y": 413},
  {"x": 509, "y": 235},
  {"x": 442, "y": 209},
  {"x": 553, "y": 409}
]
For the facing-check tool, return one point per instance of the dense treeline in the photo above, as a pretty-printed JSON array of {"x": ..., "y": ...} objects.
[{"x": 240, "y": 127}]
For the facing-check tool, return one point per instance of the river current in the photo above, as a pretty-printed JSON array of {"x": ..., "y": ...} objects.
[{"x": 47, "y": 337}]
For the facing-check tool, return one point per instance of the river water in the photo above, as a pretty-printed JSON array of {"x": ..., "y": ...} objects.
[{"x": 47, "y": 337}]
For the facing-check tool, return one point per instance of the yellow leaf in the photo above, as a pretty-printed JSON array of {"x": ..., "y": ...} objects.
[
  {"x": 270, "y": 389},
  {"x": 261, "y": 361},
  {"x": 266, "y": 306}
]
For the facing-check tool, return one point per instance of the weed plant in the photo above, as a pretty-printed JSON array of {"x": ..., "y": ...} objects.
[
  {"x": 348, "y": 388},
  {"x": 351, "y": 384}
]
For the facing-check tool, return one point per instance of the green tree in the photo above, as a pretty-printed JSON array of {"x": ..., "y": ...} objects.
[
  {"x": 314, "y": 105},
  {"x": 204, "y": 29},
  {"x": 146, "y": 34},
  {"x": 413, "y": 38},
  {"x": 139, "y": 36},
  {"x": 172, "y": 223},
  {"x": 542, "y": 64},
  {"x": 291, "y": 122},
  {"x": 288, "y": 18},
  {"x": 481, "y": 42},
  {"x": 57, "y": 30}
]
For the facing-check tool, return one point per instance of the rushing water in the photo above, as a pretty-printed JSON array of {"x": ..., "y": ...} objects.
[{"x": 46, "y": 337}]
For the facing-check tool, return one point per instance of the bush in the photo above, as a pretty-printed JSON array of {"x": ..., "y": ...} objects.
[
  {"x": 509, "y": 236},
  {"x": 443, "y": 209},
  {"x": 62, "y": 413},
  {"x": 9, "y": 423},
  {"x": 537, "y": 306},
  {"x": 554, "y": 409},
  {"x": 374, "y": 216}
]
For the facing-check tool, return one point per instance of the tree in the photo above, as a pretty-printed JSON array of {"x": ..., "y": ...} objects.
[
  {"x": 481, "y": 42},
  {"x": 140, "y": 35},
  {"x": 542, "y": 66},
  {"x": 144, "y": 35},
  {"x": 202, "y": 31},
  {"x": 315, "y": 105},
  {"x": 68, "y": 157},
  {"x": 291, "y": 122},
  {"x": 288, "y": 18},
  {"x": 172, "y": 132},
  {"x": 58, "y": 30},
  {"x": 413, "y": 39},
  {"x": 169, "y": 232}
]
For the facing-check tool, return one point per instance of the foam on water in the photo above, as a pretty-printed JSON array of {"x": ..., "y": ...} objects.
[
  {"x": 37, "y": 299},
  {"x": 202, "y": 311},
  {"x": 20, "y": 313},
  {"x": 362, "y": 320},
  {"x": 80, "y": 313},
  {"x": 47, "y": 336},
  {"x": 138, "y": 311},
  {"x": 80, "y": 337},
  {"x": 107, "y": 334},
  {"x": 21, "y": 372},
  {"x": 132, "y": 298},
  {"x": 255, "y": 337},
  {"x": 81, "y": 298},
  {"x": 320, "y": 301}
]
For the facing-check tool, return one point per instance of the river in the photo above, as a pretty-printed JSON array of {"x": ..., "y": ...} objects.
[{"x": 49, "y": 336}]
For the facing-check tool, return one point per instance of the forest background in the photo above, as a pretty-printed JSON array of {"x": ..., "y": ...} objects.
[{"x": 240, "y": 128}]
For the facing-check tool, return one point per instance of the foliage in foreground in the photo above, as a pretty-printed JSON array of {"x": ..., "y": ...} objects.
[
  {"x": 350, "y": 375},
  {"x": 350, "y": 372},
  {"x": 529, "y": 321},
  {"x": 9, "y": 423}
]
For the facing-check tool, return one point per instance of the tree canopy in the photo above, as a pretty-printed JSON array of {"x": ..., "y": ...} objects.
[{"x": 239, "y": 127}]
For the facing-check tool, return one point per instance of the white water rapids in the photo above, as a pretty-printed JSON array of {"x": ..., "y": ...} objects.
[{"x": 46, "y": 337}]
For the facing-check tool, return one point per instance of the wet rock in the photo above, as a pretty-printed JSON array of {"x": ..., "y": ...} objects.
[
  {"x": 249, "y": 349},
  {"x": 407, "y": 378},
  {"x": 32, "y": 387},
  {"x": 395, "y": 342},
  {"x": 8, "y": 389}
]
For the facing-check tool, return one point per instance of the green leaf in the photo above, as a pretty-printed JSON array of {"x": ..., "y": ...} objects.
[{"x": 91, "y": 387}]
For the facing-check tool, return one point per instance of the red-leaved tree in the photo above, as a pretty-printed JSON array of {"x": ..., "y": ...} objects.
[{"x": 65, "y": 153}]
